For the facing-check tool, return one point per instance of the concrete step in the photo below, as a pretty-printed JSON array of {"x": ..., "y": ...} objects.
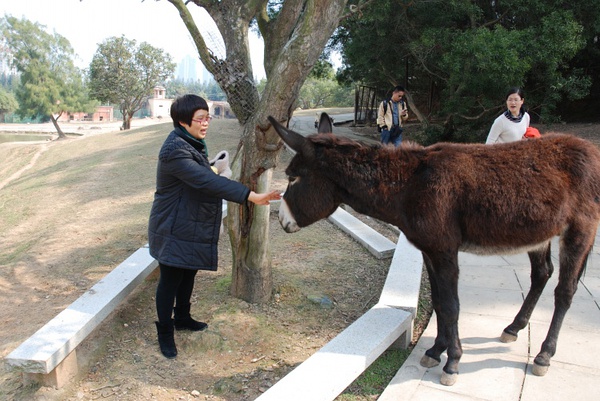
[
  {"x": 377, "y": 244},
  {"x": 325, "y": 374}
]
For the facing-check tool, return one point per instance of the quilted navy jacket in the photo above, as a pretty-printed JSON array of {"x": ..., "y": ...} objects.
[{"x": 185, "y": 219}]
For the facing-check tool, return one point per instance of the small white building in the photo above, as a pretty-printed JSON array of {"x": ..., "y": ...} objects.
[
  {"x": 220, "y": 109},
  {"x": 159, "y": 105}
]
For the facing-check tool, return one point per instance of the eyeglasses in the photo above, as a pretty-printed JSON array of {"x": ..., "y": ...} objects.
[{"x": 203, "y": 119}]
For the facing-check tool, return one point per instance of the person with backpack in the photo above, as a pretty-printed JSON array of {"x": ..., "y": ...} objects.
[{"x": 390, "y": 115}]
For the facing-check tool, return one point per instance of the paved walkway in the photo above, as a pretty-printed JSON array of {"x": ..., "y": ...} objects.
[
  {"x": 305, "y": 125},
  {"x": 491, "y": 291}
]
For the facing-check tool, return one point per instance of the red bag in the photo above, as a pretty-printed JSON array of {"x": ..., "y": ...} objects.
[{"x": 531, "y": 132}]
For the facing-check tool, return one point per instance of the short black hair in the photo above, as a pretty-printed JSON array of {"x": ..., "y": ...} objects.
[
  {"x": 515, "y": 90},
  {"x": 399, "y": 88},
  {"x": 184, "y": 107}
]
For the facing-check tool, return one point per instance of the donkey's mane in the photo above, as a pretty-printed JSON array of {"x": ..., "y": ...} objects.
[
  {"x": 373, "y": 165},
  {"x": 331, "y": 140}
]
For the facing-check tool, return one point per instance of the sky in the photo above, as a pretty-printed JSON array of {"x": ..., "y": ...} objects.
[{"x": 89, "y": 22}]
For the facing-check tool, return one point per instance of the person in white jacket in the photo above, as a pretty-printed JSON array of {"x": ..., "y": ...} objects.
[
  {"x": 391, "y": 114},
  {"x": 512, "y": 124}
]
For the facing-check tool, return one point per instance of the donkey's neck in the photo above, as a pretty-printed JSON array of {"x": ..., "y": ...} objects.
[{"x": 371, "y": 179}]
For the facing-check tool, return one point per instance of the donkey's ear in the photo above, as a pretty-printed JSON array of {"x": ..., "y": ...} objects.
[
  {"x": 297, "y": 142},
  {"x": 325, "y": 124}
]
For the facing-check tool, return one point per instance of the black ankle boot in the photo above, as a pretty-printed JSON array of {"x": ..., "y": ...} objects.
[
  {"x": 166, "y": 340},
  {"x": 183, "y": 320}
]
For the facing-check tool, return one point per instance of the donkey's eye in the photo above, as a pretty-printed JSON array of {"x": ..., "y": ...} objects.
[{"x": 292, "y": 179}]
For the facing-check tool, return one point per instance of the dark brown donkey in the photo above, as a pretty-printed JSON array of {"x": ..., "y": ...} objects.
[{"x": 446, "y": 198}]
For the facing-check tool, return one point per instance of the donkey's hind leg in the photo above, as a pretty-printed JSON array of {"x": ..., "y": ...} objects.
[
  {"x": 541, "y": 270},
  {"x": 575, "y": 246}
]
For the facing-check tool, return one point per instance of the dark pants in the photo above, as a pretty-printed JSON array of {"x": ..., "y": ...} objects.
[
  {"x": 174, "y": 286},
  {"x": 385, "y": 138}
]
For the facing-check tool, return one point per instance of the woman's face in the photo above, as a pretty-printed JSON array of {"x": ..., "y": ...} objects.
[
  {"x": 199, "y": 124},
  {"x": 514, "y": 103}
]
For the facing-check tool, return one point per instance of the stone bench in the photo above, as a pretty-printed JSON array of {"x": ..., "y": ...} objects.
[
  {"x": 403, "y": 281},
  {"x": 49, "y": 355},
  {"x": 325, "y": 374},
  {"x": 377, "y": 244}
]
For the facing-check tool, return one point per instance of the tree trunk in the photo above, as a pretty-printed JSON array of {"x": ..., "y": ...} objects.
[
  {"x": 126, "y": 121},
  {"x": 61, "y": 134},
  {"x": 252, "y": 274},
  {"x": 294, "y": 40},
  {"x": 413, "y": 107}
]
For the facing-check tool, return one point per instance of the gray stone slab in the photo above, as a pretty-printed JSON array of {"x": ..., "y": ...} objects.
[
  {"x": 586, "y": 290},
  {"x": 492, "y": 277},
  {"x": 490, "y": 302},
  {"x": 562, "y": 383},
  {"x": 490, "y": 370},
  {"x": 482, "y": 334},
  {"x": 465, "y": 259},
  {"x": 46, "y": 348},
  {"x": 592, "y": 286},
  {"x": 519, "y": 259},
  {"x": 593, "y": 267},
  {"x": 434, "y": 394},
  {"x": 583, "y": 313},
  {"x": 403, "y": 282},
  {"x": 486, "y": 373},
  {"x": 575, "y": 346},
  {"x": 324, "y": 375},
  {"x": 483, "y": 376},
  {"x": 377, "y": 244}
]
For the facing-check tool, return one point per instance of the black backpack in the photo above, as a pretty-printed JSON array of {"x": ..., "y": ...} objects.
[{"x": 385, "y": 104}]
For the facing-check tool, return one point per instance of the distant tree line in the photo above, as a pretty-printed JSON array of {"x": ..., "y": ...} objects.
[{"x": 122, "y": 72}]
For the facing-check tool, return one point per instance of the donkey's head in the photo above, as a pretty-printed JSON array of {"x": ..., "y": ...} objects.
[{"x": 310, "y": 195}]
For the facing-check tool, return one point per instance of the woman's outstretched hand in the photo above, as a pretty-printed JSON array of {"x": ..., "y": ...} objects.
[{"x": 264, "y": 199}]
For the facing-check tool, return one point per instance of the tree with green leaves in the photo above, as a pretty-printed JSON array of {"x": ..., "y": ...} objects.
[
  {"x": 8, "y": 103},
  {"x": 50, "y": 83},
  {"x": 321, "y": 89},
  {"x": 458, "y": 58},
  {"x": 123, "y": 73}
]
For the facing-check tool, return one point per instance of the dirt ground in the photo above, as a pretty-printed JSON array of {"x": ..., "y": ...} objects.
[{"x": 70, "y": 211}]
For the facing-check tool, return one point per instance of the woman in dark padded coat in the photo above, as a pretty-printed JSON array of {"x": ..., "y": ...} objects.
[{"x": 185, "y": 219}]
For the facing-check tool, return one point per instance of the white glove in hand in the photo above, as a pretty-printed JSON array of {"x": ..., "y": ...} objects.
[{"x": 221, "y": 164}]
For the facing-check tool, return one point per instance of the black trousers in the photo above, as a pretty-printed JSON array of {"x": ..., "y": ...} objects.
[{"x": 175, "y": 286}]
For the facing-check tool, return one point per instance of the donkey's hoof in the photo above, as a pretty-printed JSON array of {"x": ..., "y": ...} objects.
[
  {"x": 448, "y": 379},
  {"x": 508, "y": 338},
  {"x": 428, "y": 362},
  {"x": 539, "y": 370}
]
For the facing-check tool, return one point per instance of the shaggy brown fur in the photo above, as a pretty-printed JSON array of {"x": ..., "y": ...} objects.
[{"x": 446, "y": 198}]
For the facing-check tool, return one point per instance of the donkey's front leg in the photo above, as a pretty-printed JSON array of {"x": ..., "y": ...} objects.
[{"x": 444, "y": 269}]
